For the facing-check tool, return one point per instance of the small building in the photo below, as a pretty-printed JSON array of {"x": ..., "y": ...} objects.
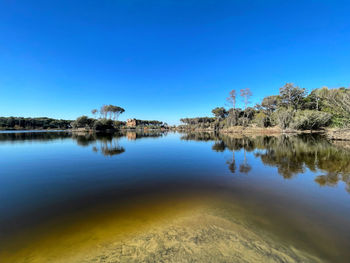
[{"x": 131, "y": 123}]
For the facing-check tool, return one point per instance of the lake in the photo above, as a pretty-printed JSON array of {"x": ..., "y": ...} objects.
[{"x": 171, "y": 197}]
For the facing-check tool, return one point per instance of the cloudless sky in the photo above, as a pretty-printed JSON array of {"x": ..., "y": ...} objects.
[{"x": 164, "y": 59}]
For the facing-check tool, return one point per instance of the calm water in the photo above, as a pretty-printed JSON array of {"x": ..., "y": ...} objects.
[{"x": 173, "y": 197}]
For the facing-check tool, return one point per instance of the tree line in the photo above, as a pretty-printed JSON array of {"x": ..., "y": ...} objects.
[
  {"x": 292, "y": 108},
  {"x": 150, "y": 123},
  {"x": 21, "y": 123},
  {"x": 106, "y": 118}
]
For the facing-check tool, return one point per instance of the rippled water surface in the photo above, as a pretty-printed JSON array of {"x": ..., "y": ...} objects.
[{"x": 173, "y": 197}]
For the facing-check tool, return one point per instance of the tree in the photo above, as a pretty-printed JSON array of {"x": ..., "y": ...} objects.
[
  {"x": 219, "y": 112},
  {"x": 104, "y": 111},
  {"x": 232, "y": 98},
  {"x": 292, "y": 96},
  {"x": 94, "y": 111},
  {"x": 246, "y": 94},
  {"x": 270, "y": 103},
  {"x": 116, "y": 110},
  {"x": 233, "y": 117},
  {"x": 112, "y": 110},
  {"x": 83, "y": 122}
]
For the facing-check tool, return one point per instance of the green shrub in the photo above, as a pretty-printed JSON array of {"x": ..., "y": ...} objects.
[
  {"x": 83, "y": 122},
  {"x": 283, "y": 117},
  {"x": 103, "y": 124},
  {"x": 261, "y": 119},
  {"x": 310, "y": 120}
]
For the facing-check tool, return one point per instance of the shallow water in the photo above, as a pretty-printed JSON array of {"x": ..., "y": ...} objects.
[{"x": 173, "y": 197}]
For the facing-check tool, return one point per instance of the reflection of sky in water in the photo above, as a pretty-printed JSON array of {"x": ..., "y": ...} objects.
[
  {"x": 44, "y": 170},
  {"x": 39, "y": 176}
]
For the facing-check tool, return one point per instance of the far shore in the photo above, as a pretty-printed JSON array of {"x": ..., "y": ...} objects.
[
  {"x": 330, "y": 133},
  {"x": 335, "y": 134}
]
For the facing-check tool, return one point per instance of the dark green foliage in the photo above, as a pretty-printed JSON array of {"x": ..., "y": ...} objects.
[
  {"x": 83, "y": 122},
  {"x": 150, "y": 123},
  {"x": 198, "y": 123},
  {"x": 312, "y": 101},
  {"x": 103, "y": 124},
  {"x": 292, "y": 96},
  {"x": 219, "y": 112},
  {"x": 20, "y": 123},
  {"x": 197, "y": 120},
  {"x": 119, "y": 123},
  {"x": 233, "y": 117},
  {"x": 93, "y": 124},
  {"x": 249, "y": 113},
  {"x": 271, "y": 103}
]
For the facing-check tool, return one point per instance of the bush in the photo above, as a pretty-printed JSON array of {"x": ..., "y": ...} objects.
[
  {"x": 283, "y": 117},
  {"x": 310, "y": 120},
  {"x": 83, "y": 122},
  {"x": 249, "y": 113},
  {"x": 103, "y": 124},
  {"x": 261, "y": 119},
  {"x": 233, "y": 116}
]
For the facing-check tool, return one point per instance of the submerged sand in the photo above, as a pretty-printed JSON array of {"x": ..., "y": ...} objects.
[
  {"x": 198, "y": 238},
  {"x": 188, "y": 231}
]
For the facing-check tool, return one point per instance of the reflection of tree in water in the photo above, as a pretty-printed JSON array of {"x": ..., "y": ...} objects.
[
  {"x": 232, "y": 163},
  {"x": 237, "y": 144},
  {"x": 332, "y": 179},
  {"x": 33, "y": 136},
  {"x": 222, "y": 143},
  {"x": 220, "y": 146},
  {"x": 293, "y": 154},
  {"x": 107, "y": 144},
  {"x": 290, "y": 154},
  {"x": 245, "y": 167},
  {"x": 111, "y": 148},
  {"x": 281, "y": 152},
  {"x": 199, "y": 136},
  {"x": 84, "y": 139}
]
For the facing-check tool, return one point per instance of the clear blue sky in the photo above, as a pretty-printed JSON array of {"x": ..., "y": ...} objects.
[{"x": 164, "y": 59}]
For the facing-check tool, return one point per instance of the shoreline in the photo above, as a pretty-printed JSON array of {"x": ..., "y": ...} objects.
[
  {"x": 334, "y": 134},
  {"x": 342, "y": 134}
]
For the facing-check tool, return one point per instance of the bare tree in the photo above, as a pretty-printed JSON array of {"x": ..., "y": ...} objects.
[
  {"x": 232, "y": 98},
  {"x": 104, "y": 111},
  {"x": 246, "y": 94}
]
